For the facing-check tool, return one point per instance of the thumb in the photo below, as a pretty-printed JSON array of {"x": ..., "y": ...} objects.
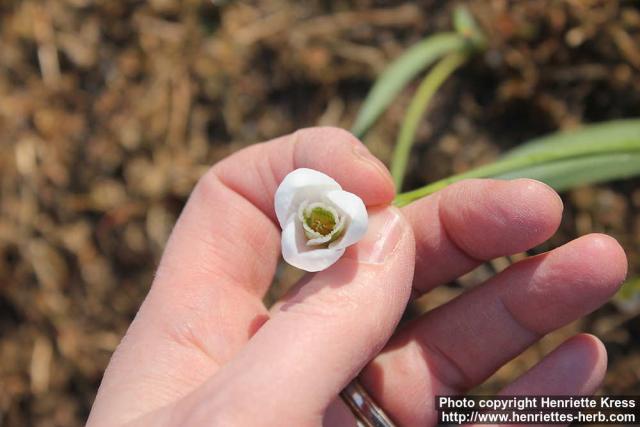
[{"x": 323, "y": 333}]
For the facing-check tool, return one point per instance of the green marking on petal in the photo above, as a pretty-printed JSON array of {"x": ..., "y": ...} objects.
[{"x": 337, "y": 234}]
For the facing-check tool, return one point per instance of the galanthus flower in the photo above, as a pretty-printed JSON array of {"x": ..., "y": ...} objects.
[{"x": 319, "y": 220}]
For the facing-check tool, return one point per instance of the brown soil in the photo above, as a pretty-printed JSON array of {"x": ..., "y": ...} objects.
[{"x": 110, "y": 111}]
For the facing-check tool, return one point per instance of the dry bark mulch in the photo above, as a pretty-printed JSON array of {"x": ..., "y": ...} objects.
[{"x": 110, "y": 110}]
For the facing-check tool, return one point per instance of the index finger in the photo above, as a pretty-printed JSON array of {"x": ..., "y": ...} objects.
[
  {"x": 229, "y": 223},
  {"x": 256, "y": 171}
]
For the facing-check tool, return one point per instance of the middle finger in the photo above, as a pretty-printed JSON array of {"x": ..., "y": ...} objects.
[{"x": 476, "y": 220}]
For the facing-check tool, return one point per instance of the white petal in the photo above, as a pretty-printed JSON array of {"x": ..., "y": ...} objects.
[
  {"x": 352, "y": 206},
  {"x": 299, "y": 185},
  {"x": 296, "y": 253}
]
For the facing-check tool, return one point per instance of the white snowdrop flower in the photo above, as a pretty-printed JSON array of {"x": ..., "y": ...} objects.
[{"x": 319, "y": 220}]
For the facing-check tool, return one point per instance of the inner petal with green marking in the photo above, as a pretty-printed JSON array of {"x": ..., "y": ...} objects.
[{"x": 321, "y": 223}]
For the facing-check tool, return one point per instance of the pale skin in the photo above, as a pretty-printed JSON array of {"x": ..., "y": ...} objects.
[{"x": 204, "y": 350}]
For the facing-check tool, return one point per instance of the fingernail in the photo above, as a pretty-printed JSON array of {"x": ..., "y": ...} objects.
[
  {"x": 363, "y": 153},
  {"x": 550, "y": 189},
  {"x": 384, "y": 233}
]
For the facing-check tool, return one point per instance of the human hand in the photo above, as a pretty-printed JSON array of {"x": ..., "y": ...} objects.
[{"x": 204, "y": 350}]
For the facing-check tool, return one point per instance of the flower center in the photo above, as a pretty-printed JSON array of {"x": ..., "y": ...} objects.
[
  {"x": 320, "y": 220},
  {"x": 321, "y": 223}
]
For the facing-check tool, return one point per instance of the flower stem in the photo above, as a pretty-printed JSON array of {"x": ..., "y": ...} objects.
[{"x": 428, "y": 87}]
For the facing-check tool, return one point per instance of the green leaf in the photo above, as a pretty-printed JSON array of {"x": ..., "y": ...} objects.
[
  {"x": 464, "y": 24},
  {"x": 567, "y": 174},
  {"x": 595, "y": 153},
  {"x": 564, "y": 175},
  {"x": 627, "y": 299},
  {"x": 429, "y": 86},
  {"x": 594, "y": 135},
  {"x": 629, "y": 289},
  {"x": 402, "y": 70}
]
